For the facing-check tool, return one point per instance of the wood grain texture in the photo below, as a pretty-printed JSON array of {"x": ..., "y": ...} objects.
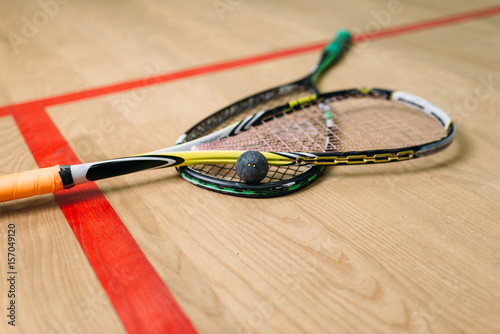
[
  {"x": 412, "y": 247},
  {"x": 56, "y": 289}
]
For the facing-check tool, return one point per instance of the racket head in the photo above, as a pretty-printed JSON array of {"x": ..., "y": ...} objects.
[
  {"x": 280, "y": 180},
  {"x": 363, "y": 126}
]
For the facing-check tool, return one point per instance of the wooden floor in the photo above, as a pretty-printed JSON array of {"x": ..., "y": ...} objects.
[{"x": 412, "y": 247}]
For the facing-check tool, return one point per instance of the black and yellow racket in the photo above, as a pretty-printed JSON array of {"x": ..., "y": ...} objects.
[
  {"x": 355, "y": 126},
  {"x": 280, "y": 179}
]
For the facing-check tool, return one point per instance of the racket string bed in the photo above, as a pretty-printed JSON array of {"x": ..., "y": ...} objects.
[
  {"x": 352, "y": 129},
  {"x": 310, "y": 132},
  {"x": 277, "y": 173},
  {"x": 369, "y": 124},
  {"x": 328, "y": 129},
  {"x": 227, "y": 172},
  {"x": 283, "y": 133},
  {"x": 218, "y": 122},
  {"x": 359, "y": 124}
]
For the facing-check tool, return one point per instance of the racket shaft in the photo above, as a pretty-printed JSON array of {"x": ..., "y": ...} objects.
[
  {"x": 111, "y": 168},
  {"x": 227, "y": 157}
]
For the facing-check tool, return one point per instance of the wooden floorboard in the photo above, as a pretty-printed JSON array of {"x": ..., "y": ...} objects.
[{"x": 412, "y": 247}]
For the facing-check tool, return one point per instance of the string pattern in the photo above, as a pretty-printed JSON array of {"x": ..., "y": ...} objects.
[
  {"x": 359, "y": 124},
  {"x": 228, "y": 172}
]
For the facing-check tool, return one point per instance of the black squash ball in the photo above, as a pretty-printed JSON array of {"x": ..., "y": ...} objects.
[{"x": 252, "y": 167}]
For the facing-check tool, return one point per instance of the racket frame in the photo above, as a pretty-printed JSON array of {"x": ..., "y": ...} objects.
[{"x": 330, "y": 55}]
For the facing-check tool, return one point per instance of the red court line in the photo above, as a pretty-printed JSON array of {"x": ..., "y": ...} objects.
[
  {"x": 247, "y": 61},
  {"x": 182, "y": 74},
  {"x": 154, "y": 80},
  {"x": 140, "y": 298}
]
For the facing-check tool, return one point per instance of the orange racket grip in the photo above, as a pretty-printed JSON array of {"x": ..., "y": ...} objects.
[{"x": 30, "y": 183}]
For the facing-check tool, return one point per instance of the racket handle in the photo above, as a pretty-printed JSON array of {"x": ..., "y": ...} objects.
[
  {"x": 332, "y": 53},
  {"x": 30, "y": 183}
]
